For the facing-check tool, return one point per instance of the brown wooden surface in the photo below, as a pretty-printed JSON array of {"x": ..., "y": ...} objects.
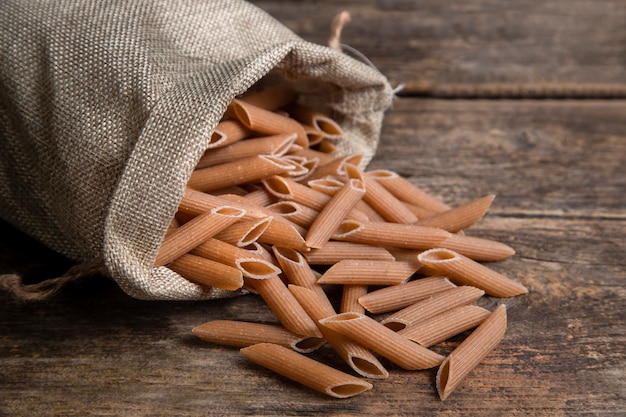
[{"x": 557, "y": 168}]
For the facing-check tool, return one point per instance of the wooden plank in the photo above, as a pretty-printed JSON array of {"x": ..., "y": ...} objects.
[
  {"x": 556, "y": 167},
  {"x": 479, "y": 48}
]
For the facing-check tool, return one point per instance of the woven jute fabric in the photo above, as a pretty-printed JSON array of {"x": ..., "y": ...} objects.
[{"x": 106, "y": 106}]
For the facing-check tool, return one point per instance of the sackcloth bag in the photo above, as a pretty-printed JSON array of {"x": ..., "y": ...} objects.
[{"x": 106, "y": 106}]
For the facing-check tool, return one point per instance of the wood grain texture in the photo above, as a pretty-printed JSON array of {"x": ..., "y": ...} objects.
[
  {"x": 482, "y": 48},
  {"x": 557, "y": 170}
]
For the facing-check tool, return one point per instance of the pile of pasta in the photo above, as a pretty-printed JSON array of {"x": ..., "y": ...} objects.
[{"x": 270, "y": 209}]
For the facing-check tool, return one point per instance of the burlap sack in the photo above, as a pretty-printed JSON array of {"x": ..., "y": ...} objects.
[{"x": 107, "y": 106}]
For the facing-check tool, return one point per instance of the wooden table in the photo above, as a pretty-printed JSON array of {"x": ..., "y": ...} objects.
[{"x": 526, "y": 101}]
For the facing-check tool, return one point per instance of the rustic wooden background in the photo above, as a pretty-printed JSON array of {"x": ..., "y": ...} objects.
[{"x": 524, "y": 99}]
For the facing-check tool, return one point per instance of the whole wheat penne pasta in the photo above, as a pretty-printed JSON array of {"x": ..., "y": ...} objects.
[
  {"x": 367, "y": 272},
  {"x": 237, "y": 172},
  {"x": 471, "y": 352},
  {"x": 390, "y": 234},
  {"x": 283, "y": 233},
  {"x": 468, "y": 272},
  {"x": 327, "y": 146},
  {"x": 271, "y": 98},
  {"x": 333, "y": 213},
  {"x": 406, "y": 191},
  {"x": 418, "y": 211},
  {"x": 270, "y": 145},
  {"x": 400, "y": 296},
  {"x": 226, "y": 133},
  {"x": 326, "y": 185},
  {"x": 305, "y": 370},
  {"x": 244, "y": 232},
  {"x": 314, "y": 135},
  {"x": 335, "y": 251},
  {"x": 462, "y": 217},
  {"x": 443, "y": 326},
  {"x": 250, "y": 263},
  {"x": 386, "y": 204},
  {"x": 309, "y": 153},
  {"x": 310, "y": 165},
  {"x": 196, "y": 231},
  {"x": 284, "y": 305},
  {"x": 431, "y": 306},
  {"x": 355, "y": 355},
  {"x": 336, "y": 167},
  {"x": 259, "y": 198},
  {"x": 297, "y": 270},
  {"x": 196, "y": 202},
  {"x": 319, "y": 120},
  {"x": 264, "y": 121},
  {"x": 256, "y": 268},
  {"x": 409, "y": 255},
  {"x": 207, "y": 272},
  {"x": 477, "y": 248},
  {"x": 294, "y": 212},
  {"x": 242, "y": 334},
  {"x": 382, "y": 340},
  {"x": 350, "y": 298}
]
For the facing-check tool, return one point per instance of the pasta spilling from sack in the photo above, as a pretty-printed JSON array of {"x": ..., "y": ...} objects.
[{"x": 270, "y": 209}]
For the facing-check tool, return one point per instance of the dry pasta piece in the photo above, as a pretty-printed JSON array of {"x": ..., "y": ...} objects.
[
  {"x": 350, "y": 298},
  {"x": 271, "y": 98},
  {"x": 400, "y": 296},
  {"x": 323, "y": 157},
  {"x": 207, "y": 272},
  {"x": 366, "y": 272},
  {"x": 244, "y": 232},
  {"x": 317, "y": 119},
  {"x": 471, "y": 352},
  {"x": 431, "y": 306},
  {"x": 336, "y": 167},
  {"x": 355, "y": 355},
  {"x": 298, "y": 272},
  {"x": 259, "y": 198},
  {"x": 333, "y": 213},
  {"x": 390, "y": 234},
  {"x": 326, "y": 185},
  {"x": 461, "y": 217},
  {"x": 386, "y": 204},
  {"x": 314, "y": 135},
  {"x": 335, "y": 251},
  {"x": 468, "y": 272},
  {"x": 242, "y": 334},
  {"x": 477, "y": 248},
  {"x": 228, "y": 132},
  {"x": 382, "y": 340},
  {"x": 196, "y": 231},
  {"x": 270, "y": 145},
  {"x": 196, "y": 202},
  {"x": 305, "y": 370},
  {"x": 264, "y": 121},
  {"x": 237, "y": 172},
  {"x": 294, "y": 212},
  {"x": 284, "y": 305},
  {"x": 445, "y": 325},
  {"x": 405, "y": 191}
]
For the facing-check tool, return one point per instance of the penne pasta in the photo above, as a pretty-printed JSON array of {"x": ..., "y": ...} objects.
[
  {"x": 386, "y": 204},
  {"x": 264, "y": 121},
  {"x": 350, "y": 297},
  {"x": 237, "y": 172},
  {"x": 271, "y": 98},
  {"x": 226, "y": 133},
  {"x": 284, "y": 306},
  {"x": 336, "y": 167},
  {"x": 335, "y": 251},
  {"x": 244, "y": 232},
  {"x": 400, "y": 296},
  {"x": 207, "y": 272},
  {"x": 294, "y": 212},
  {"x": 382, "y": 340},
  {"x": 477, "y": 248},
  {"x": 390, "y": 234},
  {"x": 468, "y": 272},
  {"x": 355, "y": 355},
  {"x": 305, "y": 371},
  {"x": 333, "y": 213},
  {"x": 461, "y": 217},
  {"x": 366, "y": 272},
  {"x": 431, "y": 306},
  {"x": 319, "y": 120},
  {"x": 276, "y": 145},
  {"x": 471, "y": 352},
  {"x": 407, "y": 192},
  {"x": 242, "y": 334},
  {"x": 195, "y": 203},
  {"x": 309, "y": 153},
  {"x": 443, "y": 326},
  {"x": 298, "y": 272},
  {"x": 196, "y": 231}
]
